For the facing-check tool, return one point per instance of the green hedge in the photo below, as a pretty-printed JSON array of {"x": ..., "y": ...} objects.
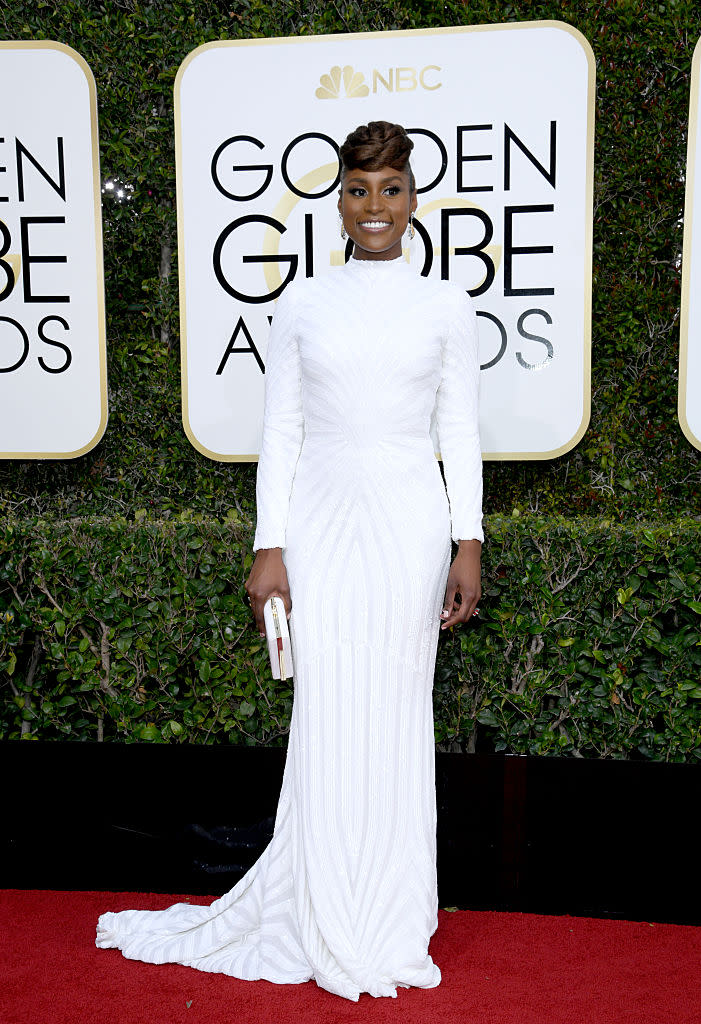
[
  {"x": 122, "y": 570},
  {"x": 634, "y": 461},
  {"x": 587, "y": 642}
]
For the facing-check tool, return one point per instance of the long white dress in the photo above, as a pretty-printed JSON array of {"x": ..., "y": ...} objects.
[{"x": 348, "y": 485}]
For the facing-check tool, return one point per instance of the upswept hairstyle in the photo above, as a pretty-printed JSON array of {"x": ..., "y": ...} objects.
[{"x": 375, "y": 145}]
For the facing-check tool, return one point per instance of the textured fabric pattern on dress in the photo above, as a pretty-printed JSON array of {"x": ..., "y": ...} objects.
[{"x": 348, "y": 485}]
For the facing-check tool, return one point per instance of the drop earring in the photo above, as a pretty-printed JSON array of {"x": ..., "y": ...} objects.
[
  {"x": 343, "y": 226},
  {"x": 412, "y": 229}
]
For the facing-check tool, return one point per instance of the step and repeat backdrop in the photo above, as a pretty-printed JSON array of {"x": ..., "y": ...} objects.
[
  {"x": 502, "y": 118},
  {"x": 53, "y": 378},
  {"x": 502, "y": 123}
]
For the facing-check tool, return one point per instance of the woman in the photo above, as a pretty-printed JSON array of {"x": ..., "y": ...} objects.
[{"x": 353, "y": 533}]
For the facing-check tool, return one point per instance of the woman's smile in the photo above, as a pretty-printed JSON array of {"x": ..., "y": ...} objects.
[{"x": 374, "y": 225}]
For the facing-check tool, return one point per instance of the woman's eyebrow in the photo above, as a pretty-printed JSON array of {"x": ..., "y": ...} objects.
[{"x": 364, "y": 181}]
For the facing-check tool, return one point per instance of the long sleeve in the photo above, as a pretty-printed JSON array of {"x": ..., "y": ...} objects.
[
  {"x": 283, "y": 427},
  {"x": 457, "y": 421}
]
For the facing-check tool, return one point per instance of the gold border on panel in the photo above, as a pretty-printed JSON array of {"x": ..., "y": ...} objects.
[
  {"x": 687, "y": 246},
  {"x": 589, "y": 205},
  {"x": 49, "y": 44}
]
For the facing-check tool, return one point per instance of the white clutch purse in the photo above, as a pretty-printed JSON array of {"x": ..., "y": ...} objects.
[{"x": 278, "y": 637}]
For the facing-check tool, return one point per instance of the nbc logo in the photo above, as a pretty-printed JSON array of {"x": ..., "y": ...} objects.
[{"x": 353, "y": 83}]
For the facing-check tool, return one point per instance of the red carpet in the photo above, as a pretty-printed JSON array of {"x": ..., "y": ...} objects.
[{"x": 497, "y": 969}]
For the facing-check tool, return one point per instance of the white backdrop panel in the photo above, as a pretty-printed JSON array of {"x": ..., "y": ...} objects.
[
  {"x": 502, "y": 119},
  {"x": 53, "y": 384},
  {"x": 690, "y": 328}
]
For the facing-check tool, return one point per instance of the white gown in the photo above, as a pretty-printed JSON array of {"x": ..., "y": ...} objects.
[{"x": 348, "y": 485}]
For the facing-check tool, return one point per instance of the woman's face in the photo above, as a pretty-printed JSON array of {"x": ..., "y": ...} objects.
[{"x": 375, "y": 207}]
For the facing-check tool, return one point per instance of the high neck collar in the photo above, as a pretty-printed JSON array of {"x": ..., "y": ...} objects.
[{"x": 375, "y": 265}]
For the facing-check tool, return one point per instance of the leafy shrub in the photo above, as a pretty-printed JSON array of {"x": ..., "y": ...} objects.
[
  {"x": 587, "y": 642},
  {"x": 121, "y": 613}
]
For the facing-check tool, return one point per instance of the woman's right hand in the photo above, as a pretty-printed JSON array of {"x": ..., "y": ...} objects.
[{"x": 268, "y": 576}]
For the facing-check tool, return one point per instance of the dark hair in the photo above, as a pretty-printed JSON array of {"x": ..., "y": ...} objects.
[{"x": 375, "y": 145}]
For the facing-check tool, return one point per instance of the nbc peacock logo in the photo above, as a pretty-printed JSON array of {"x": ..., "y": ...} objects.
[{"x": 353, "y": 83}]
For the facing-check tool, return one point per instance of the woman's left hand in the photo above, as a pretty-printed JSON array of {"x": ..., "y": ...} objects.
[{"x": 463, "y": 583}]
